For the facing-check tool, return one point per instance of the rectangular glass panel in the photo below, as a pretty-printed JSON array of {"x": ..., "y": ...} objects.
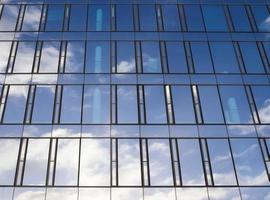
[
  {"x": 96, "y": 107},
  {"x": 261, "y": 16},
  {"x": 239, "y": 18},
  {"x": 266, "y": 46},
  {"x": 98, "y": 57},
  {"x": 127, "y": 105},
  {"x": 55, "y": 17},
  {"x": 155, "y": 105},
  {"x": 16, "y": 103},
  {"x": 224, "y": 57},
  {"x": 49, "y": 59},
  {"x": 71, "y": 104},
  {"x": 171, "y": 20},
  {"x": 67, "y": 162},
  {"x": 190, "y": 162},
  {"x": 235, "y": 105},
  {"x": 176, "y": 57},
  {"x": 129, "y": 167},
  {"x": 151, "y": 57},
  {"x": 36, "y": 162},
  {"x": 210, "y": 104},
  {"x": 148, "y": 19},
  {"x": 125, "y": 57},
  {"x": 194, "y": 18},
  {"x": 9, "y": 149},
  {"x": 99, "y": 18},
  {"x": 201, "y": 57},
  {"x": 221, "y": 162},
  {"x": 43, "y": 104},
  {"x": 249, "y": 162},
  {"x": 95, "y": 162},
  {"x": 31, "y": 18},
  {"x": 182, "y": 104},
  {"x": 214, "y": 18},
  {"x": 75, "y": 57},
  {"x": 160, "y": 162},
  {"x": 4, "y": 55},
  {"x": 9, "y": 17},
  {"x": 77, "y": 18},
  {"x": 24, "y": 57},
  {"x": 262, "y": 101},
  {"x": 251, "y": 57},
  {"x": 124, "y": 18}
]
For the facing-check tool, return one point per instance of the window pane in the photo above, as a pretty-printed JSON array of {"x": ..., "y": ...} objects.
[
  {"x": 36, "y": 162},
  {"x": 261, "y": 16},
  {"x": 248, "y": 162},
  {"x": 55, "y": 17},
  {"x": 43, "y": 104},
  {"x": 24, "y": 57},
  {"x": 94, "y": 193},
  {"x": 4, "y": 55},
  {"x": 99, "y": 18},
  {"x": 224, "y": 57},
  {"x": 194, "y": 18},
  {"x": 49, "y": 57},
  {"x": 210, "y": 104},
  {"x": 190, "y": 162},
  {"x": 188, "y": 193},
  {"x": 96, "y": 107},
  {"x": 251, "y": 57},
  {"x": 148, "y": 20},
  {"x": 239, "y": 18},
  {"x": 221, "y": 162},
  {"x": 235, "y": 105},
  {"x": 201, "y": 57},
  {"x": 98, "y": 57},
  {"x": 31, "y": 18},
  {"x": 155, "y": 104},
  {"x": 214, "y": 18},
  {"x": 78, "y": 16},
  {"x": 262, "y": 101},
  {"x": 129, "y": 162},
  {"x": 266, "y": 46},
  {"x": 75, "y": 57},
  {"x": 124, "y": 17},
  {"x": 127, "y": 107},
  {"x": 171, "y": 20},
  {"x": 126, "y": 57},
  {"x": 95, "y": 162},
  {"x": 71, "y": 104},
  {"x": 160, "y": 162},
  {"x": 61, "y": 193},
  {"x": 67, "y": 162},
  {"x": 9, "y": 154},
  {"x": 182, "y": 104},
  {"x": 151, "y": 57},
  {"x": 15, "y": 105},
  {"x": 176, "y": 57},
  {"x": 9, "y": 17}
]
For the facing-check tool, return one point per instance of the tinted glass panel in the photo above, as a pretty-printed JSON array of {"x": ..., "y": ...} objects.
[
  {"x": 4, "y": 55},
  {"x": 75, "y": 57},
  {"x": 78, "y": 16},
  {"x": 151, "y": 57},
  {"x": 182, "y": 104},
  {"x": 261, "y": 16},
  {"x": 55, "y": 17},
  {"x": 127, "y": 107},
  {"x": 176, "y": 57},
  {"x": 124, "y": 17},
  {"x": 148, "y": 20},
  {"x": 239, "y": 18},
  {"x": 31, "y": 18},
  {"x": 201, "y": 57},
  {"x": 155, "y": 104},
  {"x": 98, "y": 57},
  {"x": 171, "y": 20},
  {"x": 235, "y": 105},
  {"x": 99, "y": 18},
  {"x": 266, "y": 47},
  {"x": 9, "y": 17},
  {"x": 194, "y": 18},
  {"x": 96, "y": 107},
  {"x": 49, "y": 57},
  {"x": 214, "y": 18},
  {"x": 43, "y": 104},
  {"x": 126, "y": 57}
]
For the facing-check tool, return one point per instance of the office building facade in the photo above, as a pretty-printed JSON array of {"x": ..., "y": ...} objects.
[{"x": 135, "y": 99}]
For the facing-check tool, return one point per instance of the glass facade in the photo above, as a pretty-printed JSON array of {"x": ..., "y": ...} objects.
[{"x": 135, "y": 99}]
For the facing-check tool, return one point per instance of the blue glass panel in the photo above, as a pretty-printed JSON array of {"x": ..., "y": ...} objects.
[
  {"x": 239, "y": 18},
  {"x": 55, "y": 17},
  {"x": 78, "y": 17},
  {"x": 261, "y": 16},
  {"x": 194, "y": 18},
  {"x": 124, "y": 17},
  {"x": 99, "y": 18},
  {"x": 148, "y": 20},
  {"x": 151, "y": 57},
  {"x": 171, "y": 20}
]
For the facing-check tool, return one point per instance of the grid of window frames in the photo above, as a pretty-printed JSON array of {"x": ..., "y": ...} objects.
[{"x": 134, "y": 99}]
